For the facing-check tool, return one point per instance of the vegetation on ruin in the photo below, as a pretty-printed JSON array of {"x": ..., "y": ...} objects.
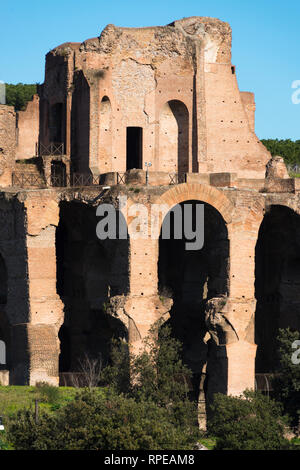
[{"x": 18, "y": 95}]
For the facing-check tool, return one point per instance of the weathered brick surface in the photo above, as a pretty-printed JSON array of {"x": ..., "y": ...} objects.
[
  {"x": 7, "y": 143},
  {"x": 67, "y": 291},
  {"x": 28, "y": 129}
]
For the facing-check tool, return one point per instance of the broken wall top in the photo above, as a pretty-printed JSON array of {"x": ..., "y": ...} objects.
[{"x": 172, "y": 40}]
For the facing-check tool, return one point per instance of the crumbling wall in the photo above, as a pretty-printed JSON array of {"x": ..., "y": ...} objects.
[
  {"x": 28, "y": 130},
  {"x": 140, "y": 70},
  {"x": 7, "y": 144}
]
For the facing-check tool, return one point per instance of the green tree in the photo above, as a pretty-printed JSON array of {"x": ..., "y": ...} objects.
[
  {"x": 286, "y": 148},
  {"x": 146, "y": 409},
  {"x": 95, "y": 422},
  {"x": 249, "y": 422},
  {"x": 19, "y": 95},
  {"x": 286, "y": 383}
]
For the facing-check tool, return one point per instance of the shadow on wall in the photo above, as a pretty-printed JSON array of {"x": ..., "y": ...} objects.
[
  {"x": 80, "y": 125},
  {"x": 89, "y": 272},
  {"x": 174, "y": 137}
]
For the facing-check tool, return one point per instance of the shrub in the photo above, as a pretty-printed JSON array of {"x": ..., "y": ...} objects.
[
  {"x": 147, "y": 409},
  {"x": 249, "y": 422},
  {"x": 48, "y": 393},
  {"x": 94, "y": 422}
]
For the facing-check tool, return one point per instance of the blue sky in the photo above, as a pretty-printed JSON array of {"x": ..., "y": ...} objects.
[{"x": 266, "y": 43}]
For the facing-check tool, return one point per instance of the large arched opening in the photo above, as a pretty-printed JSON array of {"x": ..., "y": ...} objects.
[
  {"x": 174, "y": 137},
  {"x": 277, "y": 282},
  {"x": 192, "y": 278},
  {"x": 89, "y": 273}
]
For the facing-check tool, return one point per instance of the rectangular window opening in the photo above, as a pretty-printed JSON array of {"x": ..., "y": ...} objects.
[{"x": 134, "y": 148}]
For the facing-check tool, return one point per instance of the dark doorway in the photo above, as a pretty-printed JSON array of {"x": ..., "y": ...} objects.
[
  {"x": 58, "y": 174},
  {"x": 134, "y": 148}
]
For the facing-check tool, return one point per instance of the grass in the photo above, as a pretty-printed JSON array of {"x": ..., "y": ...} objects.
[
  {"x": 14, "y": 398},
  {"x": 296, "y": 442},
  {"x": 209, "y": 442}
]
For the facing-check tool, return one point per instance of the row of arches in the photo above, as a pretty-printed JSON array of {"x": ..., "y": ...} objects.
[
  {"x": 91, "y": 271},
  {"x": 190, "y": 278}
]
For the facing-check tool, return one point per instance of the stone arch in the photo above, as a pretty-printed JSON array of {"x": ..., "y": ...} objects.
[
  {"x": 198, "y": 192},
  {"x": 196, "y": 280},
  {"x": 90, "y": 272},
  {"x": 277, "y": 281},
  {"x": 174, "y": 137},
  {"x": 105, "y": 138}
]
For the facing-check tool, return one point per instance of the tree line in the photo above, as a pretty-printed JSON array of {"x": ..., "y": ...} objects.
[
  {"x": 286, "y": 148},
  {"x": 18, "y": 95}
]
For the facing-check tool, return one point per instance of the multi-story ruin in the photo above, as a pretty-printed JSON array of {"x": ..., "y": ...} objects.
[{"x": 109, "y": 107}]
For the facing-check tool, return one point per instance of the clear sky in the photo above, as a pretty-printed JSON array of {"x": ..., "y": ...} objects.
[{"x": 266, "y": 43}]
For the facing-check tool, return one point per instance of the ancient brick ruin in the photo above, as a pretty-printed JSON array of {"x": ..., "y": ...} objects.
[{"x": 166, "y": 96}]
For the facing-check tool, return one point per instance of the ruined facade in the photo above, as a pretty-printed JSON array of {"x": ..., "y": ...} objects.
[{"x": 166, "y": 96}]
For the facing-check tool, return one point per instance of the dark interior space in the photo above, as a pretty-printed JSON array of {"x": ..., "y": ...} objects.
[
  {"x": 3, "y": 281},
  {"x": 191, "y": 278},
  {"x": 58, "y": 174},
  {"x": 277, "y": 282},
  {"x": 89, "y": 272},
  {"x": 134, "y": 148},
  {"x": 55, "y": 123}
]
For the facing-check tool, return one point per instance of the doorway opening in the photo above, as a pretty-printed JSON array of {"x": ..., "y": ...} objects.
[{"x": 134, "y": 148}]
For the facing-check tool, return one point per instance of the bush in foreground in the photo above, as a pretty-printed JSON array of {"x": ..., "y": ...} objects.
[
  {"x": 149, "y": 410},
  {"x": 94, "y": 422},
  {"x": 249, "y": 422}
]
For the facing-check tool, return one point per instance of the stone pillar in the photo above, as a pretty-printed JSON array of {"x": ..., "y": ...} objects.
[
  {"x": 143, "y": 305},
  {"x": 241, "y": 367},
  {"x": 45, "y": 306},
  {"x": 67, "y": 150},
  {"x": 200, "y": 108},
  {"x": 241, "y": 303}
]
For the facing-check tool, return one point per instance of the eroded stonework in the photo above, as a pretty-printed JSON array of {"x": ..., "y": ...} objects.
[{"x": 167, "y": 96}]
